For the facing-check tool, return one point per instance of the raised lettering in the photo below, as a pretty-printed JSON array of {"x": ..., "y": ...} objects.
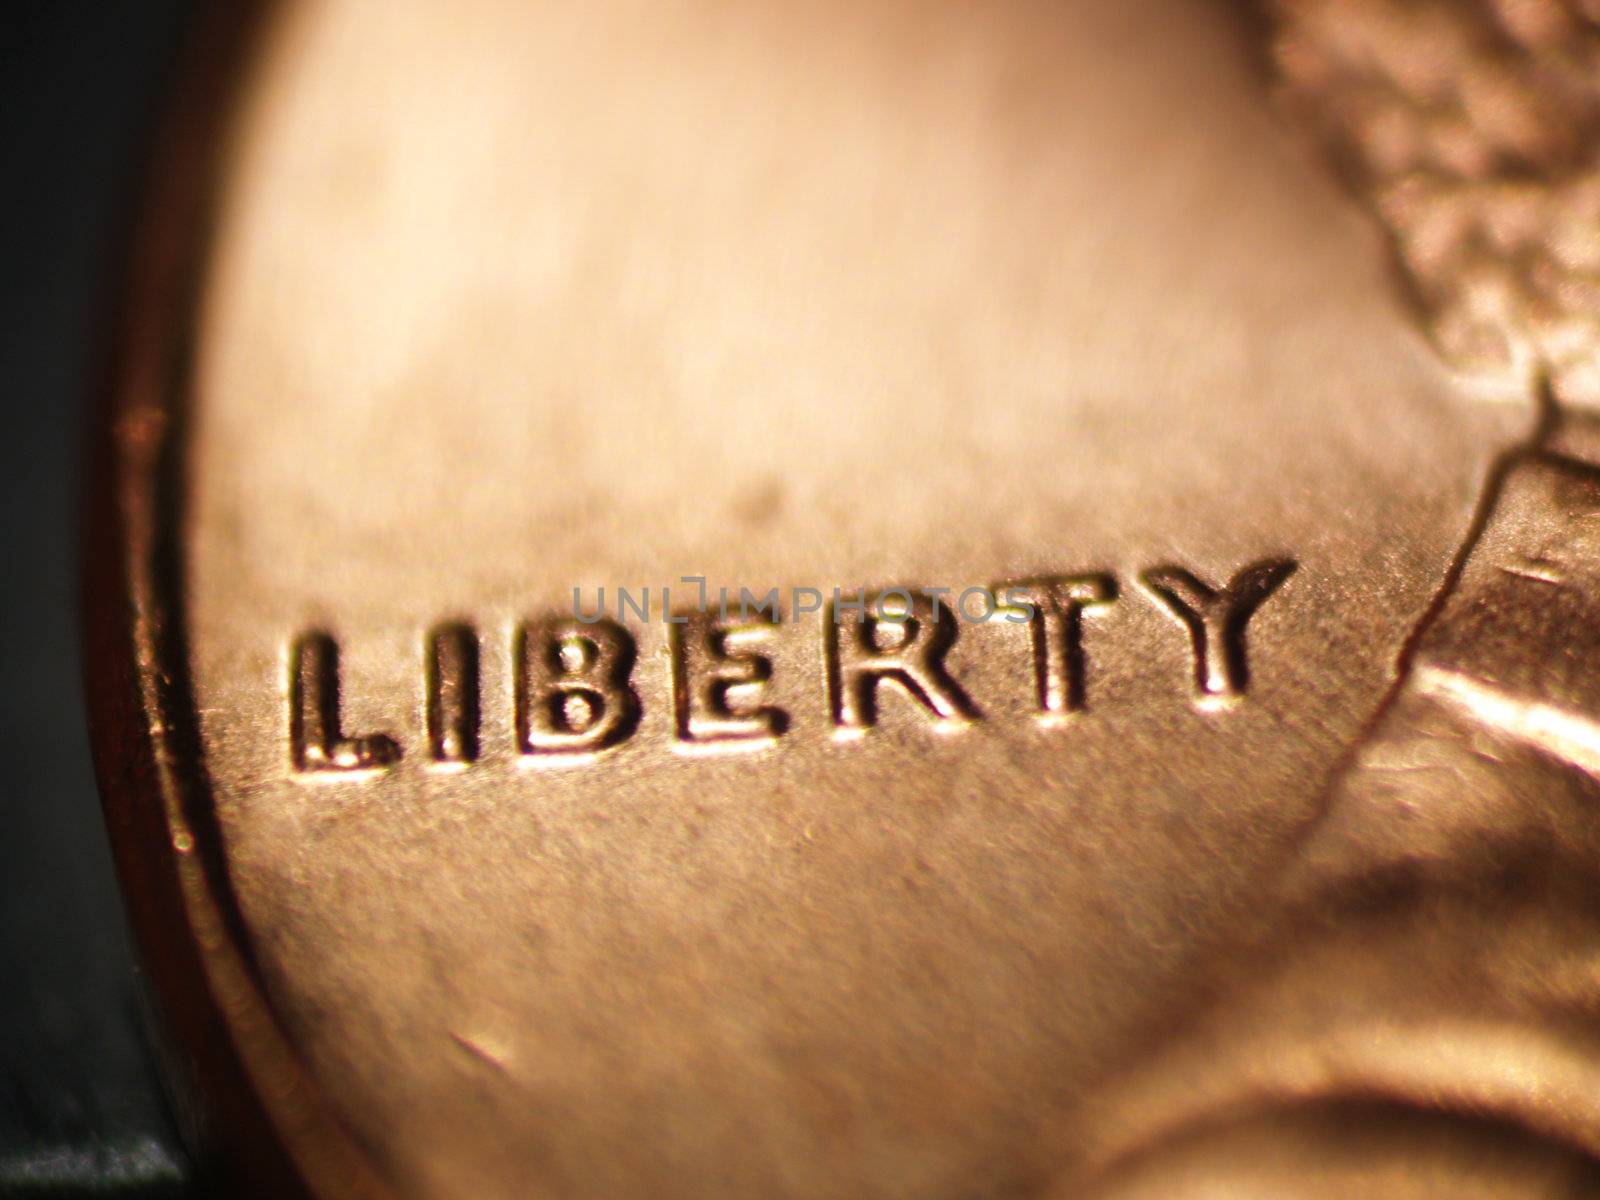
[
  {"x": 865, "y": 649},
  {"x": 453, "y": 695},
  {"x": 316, "y": 737},
  {"x": 1055, "y": 606},
  {"x": 1216, "y": 619},
  {"x": 715, "y": 680},
  {"x": 572, "y": 689}
]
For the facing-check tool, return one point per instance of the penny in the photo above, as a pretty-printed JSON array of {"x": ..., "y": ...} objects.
[{"x": 862, "y": 600}]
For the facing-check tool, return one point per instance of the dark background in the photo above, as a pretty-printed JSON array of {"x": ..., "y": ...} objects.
[{"x": 81, "y": 1107}]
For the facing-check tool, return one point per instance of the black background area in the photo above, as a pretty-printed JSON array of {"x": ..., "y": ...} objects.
[{"x": 81, "y": 1110}]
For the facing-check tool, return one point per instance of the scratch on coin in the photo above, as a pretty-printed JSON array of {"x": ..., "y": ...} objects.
[
  {"x": 493, "y": 1055},
  {"x": 1537, "y": 569}
]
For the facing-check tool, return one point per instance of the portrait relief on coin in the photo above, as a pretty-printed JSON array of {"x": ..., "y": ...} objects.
[{"x": 871, "y": 600}]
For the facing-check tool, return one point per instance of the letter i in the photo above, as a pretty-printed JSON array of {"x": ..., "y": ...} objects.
[{"x": 453, "y": 696}]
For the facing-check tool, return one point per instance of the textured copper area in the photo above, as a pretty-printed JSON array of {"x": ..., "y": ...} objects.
[{"x": 1473, "y": 127}]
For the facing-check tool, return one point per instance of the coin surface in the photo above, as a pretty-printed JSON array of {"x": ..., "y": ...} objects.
[{"x": 845, "y": 600}]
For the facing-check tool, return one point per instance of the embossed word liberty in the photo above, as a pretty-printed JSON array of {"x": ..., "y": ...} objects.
[{"x": 574, "y": 697}]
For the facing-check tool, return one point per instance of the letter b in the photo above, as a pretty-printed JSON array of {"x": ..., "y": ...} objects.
[{"x": 573, "y": 694}]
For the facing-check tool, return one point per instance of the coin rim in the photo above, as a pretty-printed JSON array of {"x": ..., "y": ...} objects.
[{"x": 246, "y": 1104}]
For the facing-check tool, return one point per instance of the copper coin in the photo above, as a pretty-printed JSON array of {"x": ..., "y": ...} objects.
[{"x": 867, "y": 600}]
